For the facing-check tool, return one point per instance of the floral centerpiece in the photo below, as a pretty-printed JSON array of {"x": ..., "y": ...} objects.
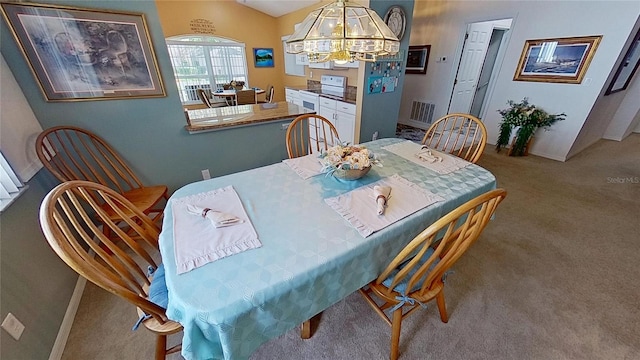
[
  {"x": 233, "y": 84},
  {"x": 526, "y": 119},
  {"x": 348, "y": 162}
]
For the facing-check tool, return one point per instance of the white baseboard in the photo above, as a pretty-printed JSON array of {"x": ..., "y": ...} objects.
[{"x": 67, "y": 321}]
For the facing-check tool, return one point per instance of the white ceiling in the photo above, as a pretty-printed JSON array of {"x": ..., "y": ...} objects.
[{"x": 277, "y": 8}]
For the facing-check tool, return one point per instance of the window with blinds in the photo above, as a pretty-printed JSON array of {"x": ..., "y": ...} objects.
[
  {"x": 205, "y": 62},
  {"x": 10, "y": 185}
]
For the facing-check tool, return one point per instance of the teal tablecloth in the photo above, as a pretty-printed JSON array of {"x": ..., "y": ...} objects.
[{"x": 310, "y": 256}]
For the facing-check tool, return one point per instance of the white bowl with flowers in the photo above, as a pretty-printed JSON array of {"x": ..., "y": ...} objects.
[{"x": 348, "y": 162}]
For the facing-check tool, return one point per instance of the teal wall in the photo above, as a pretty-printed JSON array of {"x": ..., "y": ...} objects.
[
  {"x": 380, "y": 111},
  {"x": 35, "y": 285},
  {"x": 150, "y": 135}
]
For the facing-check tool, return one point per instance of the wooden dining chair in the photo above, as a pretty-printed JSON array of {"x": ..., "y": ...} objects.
[
  {"x": 245, "y": 97},
  {"x": 310, "y": 133},
  {"x": 417, "y": 274},
  {"x": 204, "y": 97},
  {"x": 462, "y": 135},
  {"x": 122, "y": 267},
  {"x": 268, "y": 95},
  {"x": 72, "y": 153}
]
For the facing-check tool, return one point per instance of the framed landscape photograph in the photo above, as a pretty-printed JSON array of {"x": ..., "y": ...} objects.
[
  {"x": 561, "y": 60},
  {"x": 417, "y": 59},
  {"x": 627, "y": 67},
  {"x": 263, "y": 57},
  {"x": 83, "y": 54}
]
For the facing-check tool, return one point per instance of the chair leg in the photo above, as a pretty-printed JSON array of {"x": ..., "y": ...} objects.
[
  {"x": 442, "y": 307},
  {"x": 305, "y": 329},
  {"x": 396, "y": 325},
  {"x": 161, "y": 347}
]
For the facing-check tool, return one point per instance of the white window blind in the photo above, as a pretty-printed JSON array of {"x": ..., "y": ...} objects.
[{"x": 10, "y": 185}]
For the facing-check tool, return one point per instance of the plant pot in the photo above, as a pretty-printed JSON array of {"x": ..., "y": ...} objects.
[{"x": 520, "y": 142}]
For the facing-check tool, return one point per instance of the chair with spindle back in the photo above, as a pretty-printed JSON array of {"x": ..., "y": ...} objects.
[
  {"x": 310, "y": 133},
  {"x": 417, "y": 274},
  {"x": 462, "y": 135},
  {"x": 72, "y": 153},
  {"x": 121, "y": 268},
  {"x": 246, "y": 97},
  {"x": 204, "y": 97},
  {"x": 268, "y": 96}
]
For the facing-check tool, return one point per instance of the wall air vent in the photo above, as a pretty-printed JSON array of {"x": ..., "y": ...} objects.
[{"x": 422, "y": 112}]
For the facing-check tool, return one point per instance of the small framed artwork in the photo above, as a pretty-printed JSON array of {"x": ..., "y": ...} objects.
[
  {"x": 627, "y": 67},
  {"x": 417, "y": 59},
  {"x": 263, "y": 57},
  {"x": 85, "y": 54},
  {"x": 560, "y": 60}
]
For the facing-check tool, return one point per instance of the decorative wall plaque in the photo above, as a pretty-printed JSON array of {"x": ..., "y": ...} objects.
[{"x": 202, "y": 26}]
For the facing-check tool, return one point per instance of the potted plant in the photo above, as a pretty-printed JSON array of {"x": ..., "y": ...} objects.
[{"x": 525, "y": 118}]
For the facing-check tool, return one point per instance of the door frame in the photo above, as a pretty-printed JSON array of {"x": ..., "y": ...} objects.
[{"x": 496, "y": 67}]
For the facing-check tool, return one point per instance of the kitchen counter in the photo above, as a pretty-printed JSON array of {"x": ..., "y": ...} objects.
[
  {"x": 348, "y": 98},
  {"x": 202, "y": 120}
]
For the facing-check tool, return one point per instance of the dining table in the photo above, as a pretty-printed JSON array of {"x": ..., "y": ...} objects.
[
  {"x": 308, "y": 254},
  {"x": 231, "y": 94}
]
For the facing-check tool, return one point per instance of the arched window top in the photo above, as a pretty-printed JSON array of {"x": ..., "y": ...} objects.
[{"x": 202, "y": 40}]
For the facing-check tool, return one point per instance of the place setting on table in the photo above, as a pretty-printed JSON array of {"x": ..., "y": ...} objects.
[
  {"x": 251, "y": 255},
  {"x": 352, "y": 162}
]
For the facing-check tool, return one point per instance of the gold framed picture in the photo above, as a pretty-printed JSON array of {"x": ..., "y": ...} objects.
[
  {"x": 627, "y": 67},
  {"x": 559, "y": 60},
  {"x": 85, "y": 54},
  {"x": 417, "y": 59}
]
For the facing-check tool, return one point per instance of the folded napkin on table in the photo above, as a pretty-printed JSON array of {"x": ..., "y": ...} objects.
[
  {"x": 199, "y": 239},
  {"x": 218, "y": 218},
  {"x": 431, "y": 159},
  {"x": 382, "y": 196},
  {"x": 305, "y": 166},
  {"x": 357, "y": 206},
  {"x": 427, "y": 155}
]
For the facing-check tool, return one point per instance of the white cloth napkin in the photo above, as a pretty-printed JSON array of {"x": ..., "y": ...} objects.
[
  {"x": 198, "y": 241},
  {"x": 431, "y": 159},
  {"x": 218, "y": 218},
  {"x": 427, "y": 154},
  {"x": 381, "y": 194},
  {"x": 305, "y": 166},
  {"x": 357, "y": 205}
]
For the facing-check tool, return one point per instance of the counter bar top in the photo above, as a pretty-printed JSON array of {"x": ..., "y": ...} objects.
[{"x": 242, "y": 115}]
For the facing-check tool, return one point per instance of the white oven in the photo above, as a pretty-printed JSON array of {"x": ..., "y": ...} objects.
[{"x": 309, "y": 100}]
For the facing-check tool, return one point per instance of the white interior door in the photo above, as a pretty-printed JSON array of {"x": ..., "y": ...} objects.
[{"x": 473, "y": 54}]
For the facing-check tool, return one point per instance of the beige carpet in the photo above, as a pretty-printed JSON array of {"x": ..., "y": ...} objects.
[{"x": 554, "y": 276}]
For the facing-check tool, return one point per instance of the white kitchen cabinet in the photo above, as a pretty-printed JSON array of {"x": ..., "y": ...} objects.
[
  {"x": 346, "y": 120},
  {"x": 322, "y": 65},
  {"x": 292, "y": 96},
  {"x": 327, "y": 109},
  {"x": 302, "y": 59},
  {"x": 291, "y": 66},
  {"x": 342, "y": 115},
  {"x": 354, "y": 64}
]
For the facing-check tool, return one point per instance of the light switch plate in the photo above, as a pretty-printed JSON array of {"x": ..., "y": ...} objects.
[{"x": 13, "y": 326}]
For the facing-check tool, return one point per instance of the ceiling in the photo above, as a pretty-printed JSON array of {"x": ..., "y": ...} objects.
[{"x": 277, "y": 8}]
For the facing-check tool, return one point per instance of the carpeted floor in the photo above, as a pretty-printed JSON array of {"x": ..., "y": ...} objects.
[
  {"x": 554, "y": 276},
  {"x": 409, "y": 133}
]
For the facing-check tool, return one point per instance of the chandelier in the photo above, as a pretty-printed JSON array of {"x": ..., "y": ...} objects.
[{"x": 343, "y": 33}]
